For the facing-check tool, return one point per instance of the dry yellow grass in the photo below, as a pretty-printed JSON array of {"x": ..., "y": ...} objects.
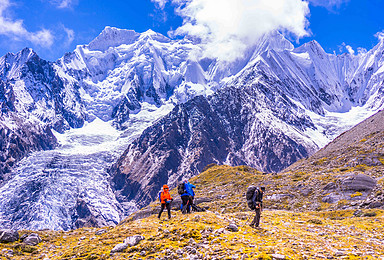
[{"x": 294, "y": 234}]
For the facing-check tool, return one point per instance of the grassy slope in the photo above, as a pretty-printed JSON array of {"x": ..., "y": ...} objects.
[{"x": 294, "y": 234}]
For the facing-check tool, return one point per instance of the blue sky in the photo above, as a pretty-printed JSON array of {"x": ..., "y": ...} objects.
[{"x": 53, "y": 27}]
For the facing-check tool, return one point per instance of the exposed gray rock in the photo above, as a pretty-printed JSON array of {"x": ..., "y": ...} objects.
[
  {"x": 346, "y": 186},
  {"x": 119, "y": 248},
  {"x": 357, "y": 182},
  {"x": 133, "y": 240},
  {"x": 7, "y": 236},
  {"x": 375, "y": 204},
  {"x": 305, "y": 191},
  {"x": 129, "y": 241},
  {"x": 32, "y": 240},
  {"x": 330, "y": 186},
  {"x": 233, "y": 227},
  {"x": 331, "y": 198},
  {"x": 279, "y": 196},
  {"x": 7, "y": 252},
  {"x": 190, "y": 249},
  {"x": 100, "y": 232},
  {"x": 358, "y": 213},
  {"x": 278, "y": 257}
]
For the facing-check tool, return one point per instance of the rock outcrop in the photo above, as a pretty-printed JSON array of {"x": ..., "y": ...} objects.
[{"x": 8, "y": 236}]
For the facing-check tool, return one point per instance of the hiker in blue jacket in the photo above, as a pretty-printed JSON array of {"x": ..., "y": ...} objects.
[{"x": 188, "y": 196}]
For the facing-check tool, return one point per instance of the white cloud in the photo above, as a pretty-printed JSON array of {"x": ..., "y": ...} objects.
[
  {"x": 63, "y": 4},
  {"x": 344, "y": 47},
  {"x": 160, "y": 3},
  {"x": 16, "y": 30},
  {"x": 328, "y": 3},
  {"x": 70, "y": 35},
  {"x": 227, "y": 27}
]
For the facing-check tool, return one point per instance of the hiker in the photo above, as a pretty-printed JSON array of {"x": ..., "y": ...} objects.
[
  {"x": 257, "y": 201},
  {"x": 165, "y": 200},
  {"x": 187, "y": 197}
]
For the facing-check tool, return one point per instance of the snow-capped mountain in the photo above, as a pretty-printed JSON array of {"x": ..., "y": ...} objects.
[
  {"x": 282, "y": 106},
  {"x": 269, "y": 108}
]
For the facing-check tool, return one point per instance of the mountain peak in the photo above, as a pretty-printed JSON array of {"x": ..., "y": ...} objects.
[
  {"x": 313, "y": 45},
  {"x": 112, "y": 37},
  {"x": 20, "y": 57},
  {"x": 154, "y": 35},
  {"x": 277, "y": 41}
]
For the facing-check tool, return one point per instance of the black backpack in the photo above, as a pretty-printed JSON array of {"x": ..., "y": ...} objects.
[
  {"x": 249, "y": 195},
  {"x": 197, "y": 208},
  {"x": 181, "y": 189}
]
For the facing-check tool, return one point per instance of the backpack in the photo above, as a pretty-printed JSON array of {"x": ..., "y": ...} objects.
[
  {"x": 197, "y": 208},
  {"x": 181, "y": 189},
  {"x": 160, "y": 196},
  {"x": 249, "y": 195}
]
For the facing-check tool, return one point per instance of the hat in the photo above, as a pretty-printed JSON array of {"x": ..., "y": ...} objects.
[{"x": 165, "y": 186}]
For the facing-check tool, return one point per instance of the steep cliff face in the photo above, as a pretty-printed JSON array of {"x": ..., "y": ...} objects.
[
  {"x": 33, "y": 100},
  {"x": 190, "y": 137},
  {"x": 233, "y": 126},
  {"x": 38, "y": 91},
  {"x": 15, "y": 144}
]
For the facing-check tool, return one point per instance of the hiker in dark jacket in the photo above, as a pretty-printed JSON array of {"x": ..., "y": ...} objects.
[
  {"x": 258, "y": 202},
  {"x": 188, "y": 197},
  {"x": 165, "y": 200}
]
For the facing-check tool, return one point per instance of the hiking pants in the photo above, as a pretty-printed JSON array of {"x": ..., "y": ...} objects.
[
  {"x": 256, "y": 219},
  {"x": 187, "y": 202},
  {"x": 168, "y": 205}
]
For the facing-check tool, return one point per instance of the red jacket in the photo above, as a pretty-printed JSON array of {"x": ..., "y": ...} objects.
[{"x": 165, "y": 195}]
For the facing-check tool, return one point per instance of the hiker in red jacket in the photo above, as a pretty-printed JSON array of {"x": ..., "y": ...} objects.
[{"x": 165, "y": 200}]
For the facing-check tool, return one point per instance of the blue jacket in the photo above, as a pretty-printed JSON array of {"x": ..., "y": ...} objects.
[{"x": 189, "y": 189}]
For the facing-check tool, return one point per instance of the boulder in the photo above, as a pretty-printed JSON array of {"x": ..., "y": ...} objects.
[
  {"x": 331, "y": 198},
  {"x": 233, "y": 227},
  {"x": 129, "y": 241},
  {"x": 8, "y": 236},
  {"x": 119, "y": 248},
  {"x": 133, "y": 240},
  {"x": 357, "y": 182},
  {"x": 375, "y": 204},
  {"x": 100, "y": 232},
  {"x": 32, "y": 240},
  {"x": 278, "y": 257}
]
